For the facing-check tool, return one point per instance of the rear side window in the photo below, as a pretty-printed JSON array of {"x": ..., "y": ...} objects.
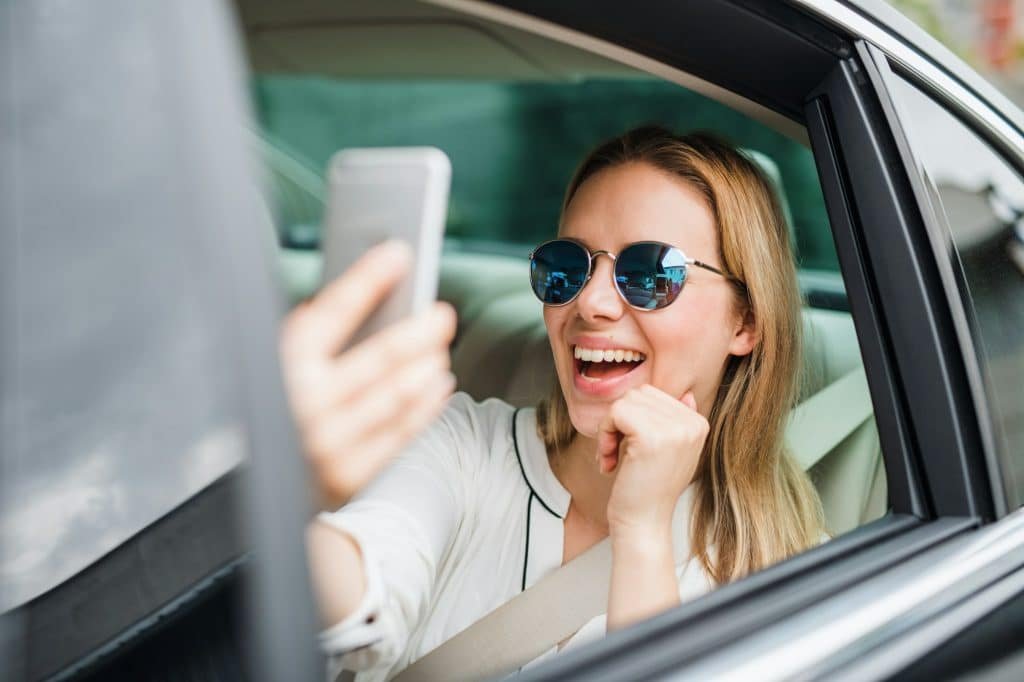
[
  {"x": 981, "y": 197},
  {"x": 513, "y": 145}
]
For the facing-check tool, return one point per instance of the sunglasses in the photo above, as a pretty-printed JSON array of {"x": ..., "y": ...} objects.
[{"x": 647, "y": 275}]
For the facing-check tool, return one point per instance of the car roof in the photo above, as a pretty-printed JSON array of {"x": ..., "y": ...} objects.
[{"x": 470, "y": 39}]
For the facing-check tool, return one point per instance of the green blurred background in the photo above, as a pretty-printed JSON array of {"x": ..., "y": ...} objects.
[{"x": 513, "y": 146}]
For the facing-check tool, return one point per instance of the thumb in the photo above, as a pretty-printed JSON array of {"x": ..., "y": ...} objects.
[{"x": 690, "y": 401}]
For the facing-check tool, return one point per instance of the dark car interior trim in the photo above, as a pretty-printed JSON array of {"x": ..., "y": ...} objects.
[
  {"x": 903, "y": 479},
  {"x": 877, "y": 66},
  {"x": 936, "y": 394},
  {"x": 69, "y": 627},
  {"x": 739, "y": 609},
  {"x": 701, "y": 39}
]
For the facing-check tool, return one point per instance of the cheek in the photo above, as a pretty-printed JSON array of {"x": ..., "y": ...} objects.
[
  {"x": 690, "y": 346},
  {"x": 554, "y": 321}
]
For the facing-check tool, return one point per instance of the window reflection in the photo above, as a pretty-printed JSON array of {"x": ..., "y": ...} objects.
[{"x": 981, "y": 198}]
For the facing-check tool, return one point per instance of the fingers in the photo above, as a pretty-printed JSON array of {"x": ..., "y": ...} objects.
[
  {"x": 625, "y": 418},
  {"x": 374, "y": 362},
  {"x": 382, "y": 406},
  {"x": 320, "y": 327},
  {"x": 690, "y": 401},
  {"x": 349, "y": 447},
  {"x": 395, "y": 346},
  {"x": 388, "y": 443},
  {"x": 650, "y": 415}
]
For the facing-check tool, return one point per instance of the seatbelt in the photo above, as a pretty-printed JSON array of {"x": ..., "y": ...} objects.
[
  {"x": 515, "y": 632},
  {"x": 526, "y": 626},
  {"x": 823, "y": 421}
]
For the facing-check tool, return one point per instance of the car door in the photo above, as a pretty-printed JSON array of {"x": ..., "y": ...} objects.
[
  {"x": 816, "y": 71},
  {"x": 139, "y": 386}
]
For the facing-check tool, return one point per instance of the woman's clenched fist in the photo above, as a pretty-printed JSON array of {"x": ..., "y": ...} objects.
[{"x": 651, "y": 443}]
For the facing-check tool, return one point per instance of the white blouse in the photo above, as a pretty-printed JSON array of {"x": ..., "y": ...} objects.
[{"x": 465, "y": 519}]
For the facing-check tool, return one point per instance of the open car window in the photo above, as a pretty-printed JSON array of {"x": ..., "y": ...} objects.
[
  {"x": 979, "y": 197},
  {"x": 514, "y": 142}
]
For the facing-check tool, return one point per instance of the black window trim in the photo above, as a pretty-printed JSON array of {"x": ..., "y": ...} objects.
[
  {"x": 944, "y": 435},
  {"x": 883, "y": 71},
  {"x": 876, "y": 225}
]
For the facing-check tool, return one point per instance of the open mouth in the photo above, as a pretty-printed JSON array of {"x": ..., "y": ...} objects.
[{"x": 598, "y": 365}]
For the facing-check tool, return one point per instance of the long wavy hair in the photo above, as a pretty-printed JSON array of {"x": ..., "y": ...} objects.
[{"x": 753, "y": 505}]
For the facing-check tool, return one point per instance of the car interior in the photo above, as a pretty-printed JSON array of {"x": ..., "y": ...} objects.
[
  {"x": 515, "y": 111},
  {"x": 150, "y": 424}
]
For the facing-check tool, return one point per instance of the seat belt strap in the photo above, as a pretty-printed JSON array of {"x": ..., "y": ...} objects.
[
  {"x": 527, "y": 625},
  {"x": 516, "y": 631},
  {"x": 820, "y": 423}
]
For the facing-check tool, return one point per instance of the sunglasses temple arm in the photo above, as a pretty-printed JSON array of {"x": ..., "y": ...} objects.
[{"x": 712, "y": 268}]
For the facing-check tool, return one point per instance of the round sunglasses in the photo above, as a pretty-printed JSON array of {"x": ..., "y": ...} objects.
[{"x": 647, "y": 275}]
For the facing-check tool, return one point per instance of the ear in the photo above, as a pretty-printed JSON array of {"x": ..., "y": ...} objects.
[{"x": 745, "y": 335}]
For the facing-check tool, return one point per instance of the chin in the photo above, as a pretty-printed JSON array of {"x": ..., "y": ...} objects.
[{"x": 587, "y": 419}]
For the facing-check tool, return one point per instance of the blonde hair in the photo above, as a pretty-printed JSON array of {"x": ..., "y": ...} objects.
[{"x": 752, "y": 502}]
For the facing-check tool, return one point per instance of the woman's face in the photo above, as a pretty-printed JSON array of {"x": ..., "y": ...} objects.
[{"x": 684, "y": 345}]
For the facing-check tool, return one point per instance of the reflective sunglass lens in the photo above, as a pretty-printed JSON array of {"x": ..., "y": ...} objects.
[
  {"x": 558, "y": 270},
  {"x": 650, "y": 275}
]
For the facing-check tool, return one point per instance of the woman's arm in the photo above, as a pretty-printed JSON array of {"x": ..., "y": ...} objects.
[
  {"x": 336, "y": 568},
  {"x": 651, "y": 442},
  {"x": 643, "y": 580},
  {"x": 356, "y": 410}
]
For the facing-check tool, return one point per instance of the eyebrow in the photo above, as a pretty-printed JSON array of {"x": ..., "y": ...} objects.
[{"x": 579, "y": 241}]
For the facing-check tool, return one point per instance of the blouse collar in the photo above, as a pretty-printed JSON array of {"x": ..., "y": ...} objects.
[{"x": 536, "y": 468}]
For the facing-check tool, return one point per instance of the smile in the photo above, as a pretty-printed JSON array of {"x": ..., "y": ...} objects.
[{"x": 600, "y": 371}]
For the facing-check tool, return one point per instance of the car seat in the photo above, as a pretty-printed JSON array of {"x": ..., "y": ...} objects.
[{"x": 503, "y": 351}]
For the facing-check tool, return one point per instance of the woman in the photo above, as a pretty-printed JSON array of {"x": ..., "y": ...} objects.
[{"x": 664, "y": 430}]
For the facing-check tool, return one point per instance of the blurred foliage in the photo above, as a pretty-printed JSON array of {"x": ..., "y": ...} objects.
[{"x": 514, "y": 145}]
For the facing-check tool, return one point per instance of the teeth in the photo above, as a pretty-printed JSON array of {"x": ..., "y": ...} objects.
[{"x": 617, "y": 355}]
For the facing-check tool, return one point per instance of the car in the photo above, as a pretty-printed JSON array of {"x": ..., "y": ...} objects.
[{"x": 146, "y": 375}]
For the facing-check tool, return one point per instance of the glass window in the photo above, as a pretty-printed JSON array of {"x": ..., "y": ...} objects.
[{"x": 982, "y": 199}]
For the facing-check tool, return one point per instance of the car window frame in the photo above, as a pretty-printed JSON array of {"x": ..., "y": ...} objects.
[
  {"x": 994, "y": 460},
  {"x": 896, "y": 364}
]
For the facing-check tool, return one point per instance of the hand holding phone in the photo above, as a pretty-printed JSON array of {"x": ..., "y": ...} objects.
[{"x": 357, "y": 409}]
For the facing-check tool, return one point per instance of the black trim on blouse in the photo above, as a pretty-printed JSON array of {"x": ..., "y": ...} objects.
[
  {"x": 522, "y": 469},
  {"x": 526, "y": 554}
]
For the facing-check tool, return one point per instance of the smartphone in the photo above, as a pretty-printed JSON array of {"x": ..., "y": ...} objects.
[{"x": 376, "y": 194}]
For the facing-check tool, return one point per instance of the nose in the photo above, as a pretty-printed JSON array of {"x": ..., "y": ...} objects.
[{"x": 599, "y": 299}]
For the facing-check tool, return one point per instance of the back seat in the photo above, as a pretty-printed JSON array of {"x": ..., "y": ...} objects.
[{"x": 501, "y": 350}]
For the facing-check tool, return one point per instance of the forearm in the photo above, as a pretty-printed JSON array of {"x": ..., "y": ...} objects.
[
  {"x": 336, "y": 569},
  {"x": 643, "y": 578}
]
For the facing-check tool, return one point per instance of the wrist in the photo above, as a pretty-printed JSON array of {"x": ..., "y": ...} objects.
[{"x": 649, "y": 539}]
